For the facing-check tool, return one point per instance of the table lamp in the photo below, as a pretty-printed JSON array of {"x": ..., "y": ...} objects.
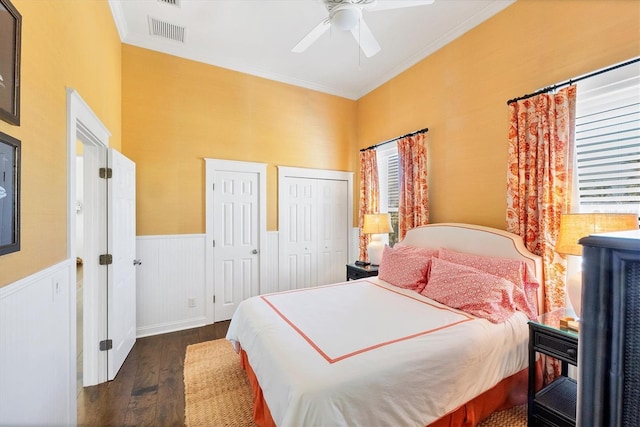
[
  {"x": 376, "y": 225},
  {"x": 573, "y": 227}
]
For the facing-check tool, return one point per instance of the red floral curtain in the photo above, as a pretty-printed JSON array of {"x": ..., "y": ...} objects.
[
  {"x": 539, "y": 179},
  {"x": 369, "y": 194},
  {"x": 413, "y": 206}
]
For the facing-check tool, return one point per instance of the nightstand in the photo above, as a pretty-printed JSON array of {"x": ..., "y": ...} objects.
[
  {"x": 355, "y": 272},
  {"x": 554, "y": 404}
]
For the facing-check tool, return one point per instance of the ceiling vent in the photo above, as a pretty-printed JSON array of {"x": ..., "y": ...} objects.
[
  {"x": 171, "y": 2},
  {"x": 166, "y": 30}
]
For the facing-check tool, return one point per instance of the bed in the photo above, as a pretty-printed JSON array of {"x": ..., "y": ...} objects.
[{"x": 438, "y": 338}]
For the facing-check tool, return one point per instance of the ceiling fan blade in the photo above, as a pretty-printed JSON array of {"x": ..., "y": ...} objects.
[
  {"x": 365, "y": 39},
  {"x": 313, "y": 35},
  {"x": 397, "y": 4}
]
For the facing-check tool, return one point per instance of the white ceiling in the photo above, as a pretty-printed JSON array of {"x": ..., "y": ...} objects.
[{"x": 256, "y": 37}]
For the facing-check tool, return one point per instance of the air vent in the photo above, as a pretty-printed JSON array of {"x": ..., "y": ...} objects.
[
  {"x": 171, "y": 2},
  {"x": 166, "y": 30}
]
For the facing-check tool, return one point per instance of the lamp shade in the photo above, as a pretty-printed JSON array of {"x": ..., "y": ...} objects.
[
  {"x": 377, "y": 224},
  {"x": 573, "y": 227}
]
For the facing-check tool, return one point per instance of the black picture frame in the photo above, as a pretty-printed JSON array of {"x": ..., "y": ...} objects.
[
  {"x": 9, "y": 194},
  {"x": 10, "y": 42}
]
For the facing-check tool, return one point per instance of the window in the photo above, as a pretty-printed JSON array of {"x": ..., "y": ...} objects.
[
  {"x": 607, "y": 172},
  {"x": 387, "y": 156},
  {"x": 393, "y": 182}
]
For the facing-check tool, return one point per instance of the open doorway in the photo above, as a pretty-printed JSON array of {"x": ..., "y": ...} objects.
[
  {"x": 87, "y": 142},
  {"x": 103, "y": 240}
]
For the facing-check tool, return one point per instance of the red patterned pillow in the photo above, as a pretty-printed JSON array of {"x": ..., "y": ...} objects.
[
  {"x": 517, "y": 272},
  {"x": 406, "y": 267},
  {"x": 470, "y": 290},
  {"x": 416, "y": 250}
]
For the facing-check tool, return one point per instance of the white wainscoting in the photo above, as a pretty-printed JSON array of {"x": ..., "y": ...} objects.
[
  {"x": 271, "y": 284},
  {"x": 37, "y": 360},
  {"x": 37, "y": 331},
  {"x": 170, "y": 277}
]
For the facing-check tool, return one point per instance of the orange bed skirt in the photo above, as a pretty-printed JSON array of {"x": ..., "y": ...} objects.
[{"x": 509, "y": 392}]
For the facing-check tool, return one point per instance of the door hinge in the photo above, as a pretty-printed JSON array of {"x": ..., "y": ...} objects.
[
  {"x": 106, "y": 259},
  {"x": 214, "y": 243},
  {"x": 213, "y": 187},
  {"x": 106, "y": 173},
  {"x": 106, "y": 345},
  {"x": 214, "y": 299}
]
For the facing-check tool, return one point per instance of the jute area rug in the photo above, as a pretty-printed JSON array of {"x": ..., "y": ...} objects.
[{"x": 217, "y": 392}]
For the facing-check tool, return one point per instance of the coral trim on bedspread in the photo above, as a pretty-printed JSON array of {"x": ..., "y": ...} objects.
[{"x": 511, "y": 391}]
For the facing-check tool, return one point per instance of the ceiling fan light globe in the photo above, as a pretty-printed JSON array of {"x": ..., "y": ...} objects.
[{"x": 345, "y": 19}]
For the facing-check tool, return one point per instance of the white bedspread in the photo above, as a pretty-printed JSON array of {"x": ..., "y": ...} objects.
[{"x": 366, "y": 353}]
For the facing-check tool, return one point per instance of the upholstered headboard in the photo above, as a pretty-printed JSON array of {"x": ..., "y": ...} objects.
[{"x": 478, "y": 240}]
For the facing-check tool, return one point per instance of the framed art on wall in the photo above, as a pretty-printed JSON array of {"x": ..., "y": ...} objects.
[
  {"x": 10, "y": 40},
  {"x": 9, "y": 194}
]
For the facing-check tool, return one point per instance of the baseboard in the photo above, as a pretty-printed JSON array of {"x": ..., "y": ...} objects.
[{"x": 165, "y": 328}]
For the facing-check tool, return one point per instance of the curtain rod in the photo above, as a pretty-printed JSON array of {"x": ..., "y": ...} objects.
[
  {"x": 572, "y": 81},
  {"x": 395, "y": 139}
]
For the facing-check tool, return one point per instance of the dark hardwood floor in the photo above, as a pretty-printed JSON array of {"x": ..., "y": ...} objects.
[{"x": 149, "y": 389}]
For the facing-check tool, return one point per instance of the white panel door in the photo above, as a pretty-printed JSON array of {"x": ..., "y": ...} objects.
[
  {"x": 236, "y": 240},
  {"x": 300, "y": 245},
  {"x": 121, "y": 277},
  {"x": 333, "y": 231},
  {"x": 314, "y": 217}
]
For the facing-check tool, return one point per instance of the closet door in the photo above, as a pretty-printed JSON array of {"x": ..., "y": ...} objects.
[
  {"x": 300, "y": 242},
  {"x": 333, "y": 231},
  {"x": 314, "y": 217}
]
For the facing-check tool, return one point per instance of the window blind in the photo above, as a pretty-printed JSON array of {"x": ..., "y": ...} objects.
[
  {"x": 608, "y": 145},
  {"x": 393, "y": 182}
]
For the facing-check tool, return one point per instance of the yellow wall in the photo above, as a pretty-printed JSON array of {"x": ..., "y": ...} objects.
[
  {"x": 460, "y": 93},
  {"x": 65, "y": 43},
  {"x": 177, "y": 112},
  {"x": 167, "y": 114}
]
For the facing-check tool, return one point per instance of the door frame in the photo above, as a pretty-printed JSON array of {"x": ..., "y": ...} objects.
[
  {"x": 211, "y": 166},
  {"x": 283, "y": 199},
  {"x": 84, "y": 126}
]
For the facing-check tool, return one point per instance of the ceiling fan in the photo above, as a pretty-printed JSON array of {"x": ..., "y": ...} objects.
[{"x": 346, "y": 15}]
